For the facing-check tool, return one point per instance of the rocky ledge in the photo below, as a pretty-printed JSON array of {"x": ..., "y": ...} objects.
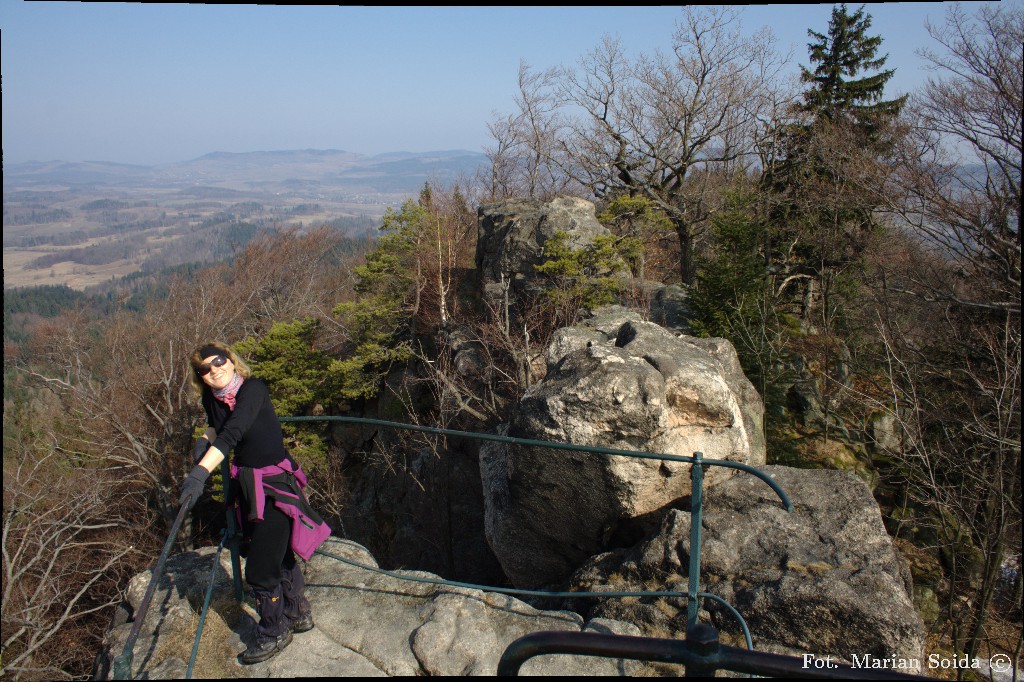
[{"x": 368, "y": 624}]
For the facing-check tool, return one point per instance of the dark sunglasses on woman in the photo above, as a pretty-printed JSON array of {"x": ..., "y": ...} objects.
[{"x": 204, "y": 369}]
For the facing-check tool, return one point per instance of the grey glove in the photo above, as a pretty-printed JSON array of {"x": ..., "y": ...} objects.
[
  {"x": 193, "y": 486},
  {"x": 202, "y": 445}
]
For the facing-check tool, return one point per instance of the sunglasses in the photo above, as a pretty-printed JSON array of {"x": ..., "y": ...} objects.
[{"x": 204, "y": 369}]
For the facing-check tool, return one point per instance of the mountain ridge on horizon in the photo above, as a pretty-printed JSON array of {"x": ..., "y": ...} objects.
[
  {"x": 83, "y": 223},
  {"x": 219, "y": 154},
  {"x": 388, "y": 171}
]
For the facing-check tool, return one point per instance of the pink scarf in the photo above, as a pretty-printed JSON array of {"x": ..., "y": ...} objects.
[{"x": 227, "y": 394}]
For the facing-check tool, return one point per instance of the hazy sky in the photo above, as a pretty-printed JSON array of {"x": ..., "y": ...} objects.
[{"x": 158, "y": 83}]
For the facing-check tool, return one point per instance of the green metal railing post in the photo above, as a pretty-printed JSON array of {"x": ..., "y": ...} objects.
[
  {"x": 206, "y": 605},
  {"x": 696, "y": 513}
]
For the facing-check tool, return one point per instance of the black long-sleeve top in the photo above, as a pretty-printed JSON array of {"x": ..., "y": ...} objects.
[{"x": 252, "y": 429}]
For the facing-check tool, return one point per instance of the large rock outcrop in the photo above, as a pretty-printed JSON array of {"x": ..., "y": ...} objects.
[
  {"x": 512, "y": 234},
  {"x": 823, "y": 579},
  {"x": 368, "y": 624},
  {"x": 618, "y": 382}
]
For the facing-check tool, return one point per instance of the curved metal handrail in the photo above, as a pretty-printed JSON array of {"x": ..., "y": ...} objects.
[
  {"x": 555, "y": 445},
  {"x": 701, "y": 653}
]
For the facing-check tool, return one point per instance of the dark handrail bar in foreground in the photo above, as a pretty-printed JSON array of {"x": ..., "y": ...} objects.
[
  {"x": 700, "y": 652},
  {"x": 122, "y": 664},
  {"x": 553, "y": 444}
]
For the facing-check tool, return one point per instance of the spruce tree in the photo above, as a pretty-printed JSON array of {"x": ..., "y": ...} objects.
[
  {"x": 823, "y": 190},
  {"x": 835, "y": 93}
]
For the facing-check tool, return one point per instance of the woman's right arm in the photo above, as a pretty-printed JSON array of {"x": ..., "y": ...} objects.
[
  {"x": 212, "y": 457},
  {"x": 203, "y": 444},
  {"x": 192, "y": 489}
]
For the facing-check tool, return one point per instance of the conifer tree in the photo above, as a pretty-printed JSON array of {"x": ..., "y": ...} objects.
[
  {"x": 388, "y": 288},
  {"x": 835, "y": 92},
  {"x": 824, "y": 189}
]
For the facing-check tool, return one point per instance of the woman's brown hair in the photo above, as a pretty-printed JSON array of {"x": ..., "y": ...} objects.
[{"x": 197, "y": 357}]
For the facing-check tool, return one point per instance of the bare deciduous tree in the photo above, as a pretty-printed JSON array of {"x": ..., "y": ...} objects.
[
  {"x": 67, "y": 538},
  {"x": 671, "y": 127},
  {"x": 958, "y": 185},
  {"x": 956, "y": 401},
  {"x": 523, "y": 159},
  {"x": 951, "y": 320}
]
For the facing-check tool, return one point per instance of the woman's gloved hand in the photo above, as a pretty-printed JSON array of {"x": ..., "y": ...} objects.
[{"x": 193, "y": 486}]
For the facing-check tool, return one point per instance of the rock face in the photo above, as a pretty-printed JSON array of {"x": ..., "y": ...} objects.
[
  {"x": 368, "y": 624},
  {"x": 823, "y": 579},
  {"x": 621, "y": 383},
  {"x": 511, "y": 237},
  {"x": 670, "y": 306},
  {"x": 406, "y": 514}
]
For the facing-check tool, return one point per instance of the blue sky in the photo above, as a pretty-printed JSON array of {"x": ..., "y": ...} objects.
[{"x": 158, "y": 83}]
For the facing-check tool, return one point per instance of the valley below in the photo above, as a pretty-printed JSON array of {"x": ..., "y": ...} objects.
[{"x": 80, "y": 224}]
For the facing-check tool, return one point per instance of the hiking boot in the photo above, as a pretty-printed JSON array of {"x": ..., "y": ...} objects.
[
  {"x": 267, "y": 649},
  {"x": 272, "y": 631},
  {"x": 304, "y": 623}
]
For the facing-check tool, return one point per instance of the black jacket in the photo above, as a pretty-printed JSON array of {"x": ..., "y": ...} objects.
[{"x": 252, "y": 429}]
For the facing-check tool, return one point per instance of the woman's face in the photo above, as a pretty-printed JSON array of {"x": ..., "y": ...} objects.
[{"x": 218, "y": 377}]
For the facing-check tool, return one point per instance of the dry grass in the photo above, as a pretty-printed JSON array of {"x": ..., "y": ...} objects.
[{"x": 217, "y": 658}]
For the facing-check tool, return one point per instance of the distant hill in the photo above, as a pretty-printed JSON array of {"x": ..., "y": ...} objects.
[
  {"x": 286, "y": 170},
  {"x": 75, "y": 173}
]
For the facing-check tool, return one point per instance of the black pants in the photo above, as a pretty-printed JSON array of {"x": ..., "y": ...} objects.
[
  {"x": 273, "y": 573},
  {"x": 270, "y": 554}
]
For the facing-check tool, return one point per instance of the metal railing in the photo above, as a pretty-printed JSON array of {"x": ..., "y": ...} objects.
[
  {"x": 698, "y": 462},
  {"x": 554, "y": 445},
  {"x": 206, "y": 606},
  {"x": 122, "y": 663},
  {"x": 701, "y": 653}
]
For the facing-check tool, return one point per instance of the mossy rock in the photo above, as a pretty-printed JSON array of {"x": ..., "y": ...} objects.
[
  {"x": 816, "y": 452},
  {"x": 970, "y": 560},
  {"x": 924, "y": 563},
  {"x": 784, "y": 447},
  {"x": 915, "y": 524},
  {"x": 927, "y": 604}
]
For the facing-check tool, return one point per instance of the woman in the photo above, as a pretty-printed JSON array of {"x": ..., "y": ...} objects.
[{"x": 276, "y": 518}]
